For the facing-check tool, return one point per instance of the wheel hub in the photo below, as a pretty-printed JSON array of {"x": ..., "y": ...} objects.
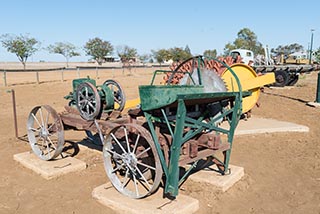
[
  {"x": 44, "y": 133},
  {"x": 130, "y": 160}
]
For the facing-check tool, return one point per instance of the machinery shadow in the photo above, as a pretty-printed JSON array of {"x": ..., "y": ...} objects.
[{"x": 287, "y": 97}]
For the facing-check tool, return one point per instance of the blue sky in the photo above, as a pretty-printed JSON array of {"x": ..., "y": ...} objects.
[{"x": 151, "y": 25}]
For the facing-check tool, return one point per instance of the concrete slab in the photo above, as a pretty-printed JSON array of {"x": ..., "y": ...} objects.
[
  {"x": 49, "y": 169},
  {"x": 281, "y": 88},
  {"x": 221, "y": 182},
  {"x": 107, "y": 195},
  {"x": 313, "y": 104},
  {"x": 256, "y": 125}
]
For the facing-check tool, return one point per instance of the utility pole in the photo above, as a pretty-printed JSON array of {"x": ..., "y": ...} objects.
[{"x": 311, "y": 43}]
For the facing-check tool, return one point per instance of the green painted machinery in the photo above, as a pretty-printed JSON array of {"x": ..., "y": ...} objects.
[
  {"x": 180, "y": 132},
  {"x": 175, "y": 130},
  {"x": 92, "y": 100}
]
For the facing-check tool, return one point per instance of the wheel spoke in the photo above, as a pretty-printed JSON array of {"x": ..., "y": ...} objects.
[
  {"x": 144, "y": 179},
  {"x": 127, "y": 140},
  {"x": 52, "y": 143},
  {"x": 119, "y": 144},
  {"x": 145, "y": 165},
  {"x": 114, "y": 153},
  {"x": 136, "y": 144},
  {"x": 135, "y": 185},
  {"x": 126, "y": 180},
  {"x": 37, "y": 121},
  {"x": 144, "y": 151},
  {"x": 41, "y": 117}
]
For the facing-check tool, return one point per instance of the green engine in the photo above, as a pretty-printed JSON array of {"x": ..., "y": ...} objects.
[{"x": 92, "y": 100}]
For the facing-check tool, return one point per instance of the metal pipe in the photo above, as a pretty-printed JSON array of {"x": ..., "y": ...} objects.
[
  {"x": 14, "y": 112},
  {"x": 318, "y": 89},
  {"x": 310, "y": 55}
]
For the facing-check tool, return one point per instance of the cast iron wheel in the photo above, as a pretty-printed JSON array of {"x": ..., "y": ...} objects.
[
  {"x": 281, "y": 78},
  {"x": 131, "y": 161},
  {"x": 293, "y": 80},
  {"x": 118, "y": 94},
  {"x": 45, "y": 132},
  {"x": 88, "y": 101}
]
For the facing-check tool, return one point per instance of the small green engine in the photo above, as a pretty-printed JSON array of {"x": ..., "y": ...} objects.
[{"x": 92, "y": 100}]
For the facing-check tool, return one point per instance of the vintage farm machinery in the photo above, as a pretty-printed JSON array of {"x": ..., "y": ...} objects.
[{"x": 175, "y": 130}]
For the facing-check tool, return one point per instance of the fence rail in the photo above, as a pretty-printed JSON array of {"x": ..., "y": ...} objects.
[{"x": 17, "y": 75}]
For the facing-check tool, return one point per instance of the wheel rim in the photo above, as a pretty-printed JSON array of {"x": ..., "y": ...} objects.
[
  {"x": 88, "y": 101},
  {"x": 45, "y": 132},
  {"x": 131, "y": 161},
  {"x": 118, "y": 94}
]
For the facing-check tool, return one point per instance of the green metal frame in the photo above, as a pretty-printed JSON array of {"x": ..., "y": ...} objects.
[{"x": 180, "y": 98}]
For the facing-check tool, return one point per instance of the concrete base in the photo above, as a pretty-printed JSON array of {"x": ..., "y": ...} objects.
[
  {"x": 107, "y": 195},
  {"x": 256, "y": 125},
  {"x": 221, "y": 182},
  {"x": 313, "y": 104},
  {"x": 49, "y": 169}
]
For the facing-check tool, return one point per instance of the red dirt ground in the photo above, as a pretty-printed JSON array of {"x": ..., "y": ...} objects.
[{"x": 282, "y": 170}]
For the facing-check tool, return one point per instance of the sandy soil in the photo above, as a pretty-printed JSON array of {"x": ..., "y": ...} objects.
[{"x": 282, "y": 170}]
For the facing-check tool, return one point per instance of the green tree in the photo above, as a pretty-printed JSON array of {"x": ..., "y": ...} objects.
[
  {"x": 66, "y": 49},
  {"x": 22, "y": 46},
  {"x": 161, "y": 55},
  {"x": 210, "y": 53},
  {"x": 246, "y": 40},
  {"x": 187, "y": 49},
  {"x": 317, "y": 55},
  {"x": 179, "y": 54},
  {"x": 286, "y": 49},
  {"x": 144, "y": 58},
  {"x": 98, "y": 49},
  {"x": 126, "y": 53}
]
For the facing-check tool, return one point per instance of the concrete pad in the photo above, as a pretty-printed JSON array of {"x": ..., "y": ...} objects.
[
  {"x": 49, "y": 169},
  {"x": 281, "y": 88},
  {"x": 107, "y": 195},
  {"x": 313, "y": 104},
  {"x": 221, "y": 182},
  {"x": 256, "y": 125}
]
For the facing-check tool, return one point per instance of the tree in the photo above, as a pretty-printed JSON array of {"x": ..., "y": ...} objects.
[
  {"x": 161, "y": 55},
  {"x": 126, "y": 53},
  {"x": 98, "y": 49},
  {"x": 144, "y": 58},
  {"x": 187, "y": 49},
  {"x": 287, "y": 49},
  {"x": 178, "y": 54},
  {"x": 246, "y": 40},
  {"x": 317, "y": 55},
  {"x": 210, "y": 53},
  {"x": 66, "y": 49},
  {"x": 23, "y": 46}
]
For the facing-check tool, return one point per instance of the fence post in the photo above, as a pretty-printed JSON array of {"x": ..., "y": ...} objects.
[
  {"x": 5, "y": 78},
  {"x": 318, "y": 89},
  {"x": 62, "y": 77},
  {"x": 37, "y": 75},
  {"x": 97, "y": 73},
  {"x": 78, "y": 71}
]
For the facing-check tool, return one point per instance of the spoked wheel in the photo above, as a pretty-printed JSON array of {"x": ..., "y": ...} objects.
[
  {"x": 88, "y": 101},
  {"x": 281, "y": 78},
  {"x": 293, "y": 80},
  {"x": 118, "y": 94},
  {"x": 131, "y": 161},
  {"x": 45, "y": 132}
]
